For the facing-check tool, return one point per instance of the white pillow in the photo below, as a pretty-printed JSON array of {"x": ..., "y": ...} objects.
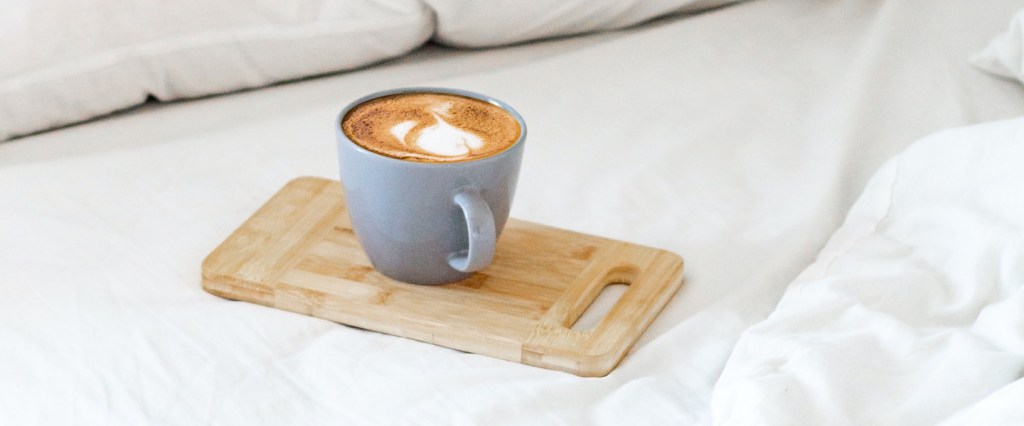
[
  {"x": 469, "y": 23},
  {"x": 1004, "y": 55},
  {"x": 64, "y": 61}
]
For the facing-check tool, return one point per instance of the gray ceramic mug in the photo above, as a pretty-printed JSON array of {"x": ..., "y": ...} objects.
[{"x": 428, "y": 223}]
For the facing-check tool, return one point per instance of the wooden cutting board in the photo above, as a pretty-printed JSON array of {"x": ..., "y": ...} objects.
[{"x": 298, "y": 253}]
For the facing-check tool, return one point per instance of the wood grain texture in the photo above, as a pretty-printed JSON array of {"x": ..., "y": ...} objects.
[{"x": 298, "y": 253}]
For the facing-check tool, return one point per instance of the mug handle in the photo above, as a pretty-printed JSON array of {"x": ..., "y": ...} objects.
[{"x": 481, "y": 232}]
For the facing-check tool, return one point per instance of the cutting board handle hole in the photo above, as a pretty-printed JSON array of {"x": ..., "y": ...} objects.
[
  {"x": 600, "y": 307},
  {"x": 615, "y": 284}
]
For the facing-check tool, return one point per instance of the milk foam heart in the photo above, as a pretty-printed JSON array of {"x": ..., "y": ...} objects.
[
  {"x": 431, "y": 127},
  {"x": 447, "y": 140}
]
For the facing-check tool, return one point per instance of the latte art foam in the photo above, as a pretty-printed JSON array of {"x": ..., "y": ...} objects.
[{"x": 431, "y": 127}]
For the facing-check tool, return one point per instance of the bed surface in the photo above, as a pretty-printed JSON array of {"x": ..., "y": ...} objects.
[{"x": 738, "y": 138}]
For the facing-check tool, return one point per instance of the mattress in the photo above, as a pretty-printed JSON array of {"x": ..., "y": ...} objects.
[{"x": 738, "y": 138}]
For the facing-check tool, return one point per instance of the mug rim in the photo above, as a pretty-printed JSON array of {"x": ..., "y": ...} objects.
[{"x": 340, "y": 131}]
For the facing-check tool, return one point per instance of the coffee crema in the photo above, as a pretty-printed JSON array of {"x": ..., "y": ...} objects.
[{"x": 431, "y": 127}]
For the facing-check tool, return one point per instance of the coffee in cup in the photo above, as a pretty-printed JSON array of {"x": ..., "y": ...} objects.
[
  {"x": 431, "y": 127},
  {"x": 429, "y": 175}
]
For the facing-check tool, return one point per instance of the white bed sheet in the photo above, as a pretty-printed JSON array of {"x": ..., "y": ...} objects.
[
  {"x": 737, "y": 138},
  {"x": 913, "y": 313}
]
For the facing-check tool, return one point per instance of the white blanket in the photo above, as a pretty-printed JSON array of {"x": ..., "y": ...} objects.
[
  {"x": 738, "y": 138},
  {"x": 914, "y": 311}
]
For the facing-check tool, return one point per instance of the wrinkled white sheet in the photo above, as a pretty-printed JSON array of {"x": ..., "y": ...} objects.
[
  {"x": 914, "y": 311},
  {"x": 738, "y": 138},
  {"x": 1004, "y": 55}
]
